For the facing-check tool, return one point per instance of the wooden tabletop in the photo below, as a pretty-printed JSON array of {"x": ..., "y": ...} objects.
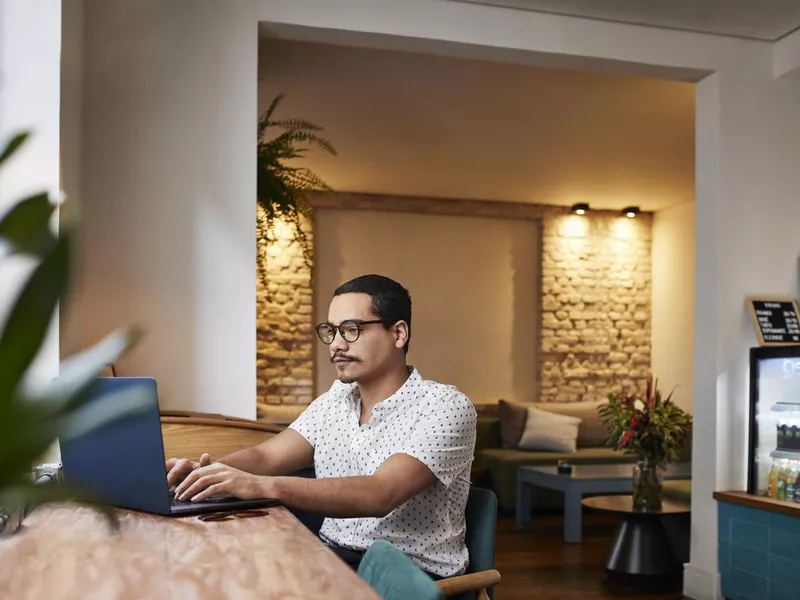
[
  {"x": 624, "y": 504},
  {"x": 742, "y": 498},
  {"x": 68, "y": 552}
]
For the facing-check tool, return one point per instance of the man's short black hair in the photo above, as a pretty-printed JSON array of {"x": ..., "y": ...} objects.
[{"x": 391, "y": 302}]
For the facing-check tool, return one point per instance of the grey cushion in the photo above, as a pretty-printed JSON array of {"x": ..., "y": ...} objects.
[{"x": 591, "y": 431}]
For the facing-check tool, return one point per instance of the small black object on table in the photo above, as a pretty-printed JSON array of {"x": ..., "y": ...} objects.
[{"x": 641, "y": 546}]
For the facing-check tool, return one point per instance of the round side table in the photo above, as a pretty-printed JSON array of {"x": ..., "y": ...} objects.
[{"x": 641, "y": 545}]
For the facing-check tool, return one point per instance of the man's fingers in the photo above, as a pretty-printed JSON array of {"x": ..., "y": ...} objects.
[
  {"x": 178, "y": 471},
  {"x": 174, "y": 471},
  {"x": 188, "y": 480},
  {"x": 198, "y": 486},
  {"x": 193, "y": 477},
  {"x": 182, "y": 468},
  {"x": 215, "y": 488}
]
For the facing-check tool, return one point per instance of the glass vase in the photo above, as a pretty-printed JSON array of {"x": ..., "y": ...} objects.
[{"x": 647, "y": 489}]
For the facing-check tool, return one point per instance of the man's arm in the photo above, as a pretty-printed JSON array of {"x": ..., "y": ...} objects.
[
  {"x": 290, "y": 450},
  {"x": 441, "y": 448},
  {"x": 397, "y": 480},
  {"x": 281, "y": 454}
]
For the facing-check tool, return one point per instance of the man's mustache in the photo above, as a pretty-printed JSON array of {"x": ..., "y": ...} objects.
[{"x": 345, "y": 357}]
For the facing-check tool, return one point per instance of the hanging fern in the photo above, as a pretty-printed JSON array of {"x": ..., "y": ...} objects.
[{"x": 281, "y": 187}]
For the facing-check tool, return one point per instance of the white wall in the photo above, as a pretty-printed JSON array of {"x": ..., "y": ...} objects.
[
  {"x": 169, "y": 195},
  {"x": 474, "y": 289},
  {"x": 71, "y": 121},
  {"x": 748, "y": 143},
  {"x": 673, "y": 302},
  {"x": 30, "y": 40},
  {"x": 168, "y": 181}
]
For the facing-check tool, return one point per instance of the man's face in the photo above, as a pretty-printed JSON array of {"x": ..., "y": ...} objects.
[{"x": 372, "y": 351}]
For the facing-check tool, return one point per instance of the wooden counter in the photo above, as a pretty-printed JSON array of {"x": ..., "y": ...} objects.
[
  {"x": 69, "y": 552},
  {"x": 759, "y": 502}
]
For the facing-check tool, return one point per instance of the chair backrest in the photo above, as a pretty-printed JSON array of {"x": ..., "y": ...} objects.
[
  {"x": 481, "y": 529},
  {"x": 394, "y": 576},
  {"x": 481, "y": 517}
]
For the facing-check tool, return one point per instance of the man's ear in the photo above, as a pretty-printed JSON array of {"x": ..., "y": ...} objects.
[{"x": 400, "y": 334}]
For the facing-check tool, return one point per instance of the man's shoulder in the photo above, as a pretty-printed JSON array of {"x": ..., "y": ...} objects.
[{"x": 438, "y": 395}]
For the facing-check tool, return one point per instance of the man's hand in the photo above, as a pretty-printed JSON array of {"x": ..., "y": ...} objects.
[
  {"x": 179, "y": 468},
  {"x": 218, "y": 478}
]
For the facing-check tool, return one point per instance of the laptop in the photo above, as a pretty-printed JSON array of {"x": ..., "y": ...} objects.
[{"x": 123, "y": 463}]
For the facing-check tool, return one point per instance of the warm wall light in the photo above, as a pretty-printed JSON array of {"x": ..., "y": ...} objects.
[
  {"x": 574, "y": 227},
  {"x": 630, "y": 211},
  {"x": 580, "y": 208}
]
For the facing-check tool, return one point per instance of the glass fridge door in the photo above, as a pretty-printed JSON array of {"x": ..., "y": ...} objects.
[{"x": 775, "y": 423}]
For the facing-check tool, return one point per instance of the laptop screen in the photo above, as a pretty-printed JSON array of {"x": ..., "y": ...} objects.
[{"x": 122, "y": 462}]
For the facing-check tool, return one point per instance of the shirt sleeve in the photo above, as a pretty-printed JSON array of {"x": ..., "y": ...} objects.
[
  {"x": 444, "y": 439},
  {"x": 308, "y": 423}
]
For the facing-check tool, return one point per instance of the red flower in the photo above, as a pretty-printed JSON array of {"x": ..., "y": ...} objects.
[
  {"x": 626, "y": 439},
  {"x": 634, "y": 423}
]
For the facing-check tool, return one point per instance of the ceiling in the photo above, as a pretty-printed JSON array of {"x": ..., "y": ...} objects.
[
  {"x": 434, "y": 126},
  {"x": 767, "y": 20}
]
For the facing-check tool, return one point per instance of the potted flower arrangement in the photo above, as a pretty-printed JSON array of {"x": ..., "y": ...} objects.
[{"x": 654, "y": 430}]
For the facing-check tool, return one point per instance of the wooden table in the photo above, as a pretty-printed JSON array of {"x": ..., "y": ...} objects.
[{"x": 69, "y": 552}]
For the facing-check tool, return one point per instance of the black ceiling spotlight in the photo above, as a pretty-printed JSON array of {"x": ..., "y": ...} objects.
[
  {"x": 630, "y": 211},
  {"x": 580, "y": 209}
]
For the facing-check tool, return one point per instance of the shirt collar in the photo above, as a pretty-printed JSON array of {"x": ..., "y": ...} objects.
[{"x": 384, "y": 407}]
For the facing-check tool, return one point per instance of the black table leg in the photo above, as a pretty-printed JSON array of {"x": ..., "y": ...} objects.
[{"x": 641, "y": 547}]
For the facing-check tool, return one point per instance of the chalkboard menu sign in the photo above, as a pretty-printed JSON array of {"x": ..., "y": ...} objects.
[{"x": 777, "y": 320}]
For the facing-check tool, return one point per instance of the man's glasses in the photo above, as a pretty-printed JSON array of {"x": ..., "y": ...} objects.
[{"x": 349, "y": 330}]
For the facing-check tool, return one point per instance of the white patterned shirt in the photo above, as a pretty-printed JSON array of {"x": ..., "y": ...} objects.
[{"x": 432, "y": 422}]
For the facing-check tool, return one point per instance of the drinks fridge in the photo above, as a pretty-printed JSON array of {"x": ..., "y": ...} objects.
[{"x": 774, "y": 448}]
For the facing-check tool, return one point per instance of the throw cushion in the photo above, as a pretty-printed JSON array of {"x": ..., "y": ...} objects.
[
  {"x": 549, "y": 431},
  {"x": 591, "y": 432},
  {"x": 512, "y": 419}
]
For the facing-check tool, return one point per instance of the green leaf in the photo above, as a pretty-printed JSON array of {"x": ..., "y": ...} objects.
[
  {"x": 77, "y": 372},
  {"x": 26, "y": 227},
  {"x": 31, "y": 316},
  {"x": 111, "y": 407},
  {"x": 25, "y": 434},
  {"x": 13, "y": 145}
]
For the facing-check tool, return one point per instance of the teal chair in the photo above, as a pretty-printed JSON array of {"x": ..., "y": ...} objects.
[
  {"x": 394, "y": 576},
  {"x": 481, "y": 577}
]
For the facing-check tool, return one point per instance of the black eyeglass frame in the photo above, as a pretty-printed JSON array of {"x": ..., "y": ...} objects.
[{"x": 342, "y": 325}]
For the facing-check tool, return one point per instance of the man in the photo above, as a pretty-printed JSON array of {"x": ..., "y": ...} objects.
[{"x": 392, "y": 452}]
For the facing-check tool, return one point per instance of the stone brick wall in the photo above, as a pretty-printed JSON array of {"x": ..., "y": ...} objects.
[
  {"x": 284, "y": 346},
  {"x": 595, "y": 331}
]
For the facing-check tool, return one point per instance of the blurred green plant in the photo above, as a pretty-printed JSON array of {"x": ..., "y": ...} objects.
[
  {"x": 281, "y": 185},
  {"x": 34, "y": 414}
]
